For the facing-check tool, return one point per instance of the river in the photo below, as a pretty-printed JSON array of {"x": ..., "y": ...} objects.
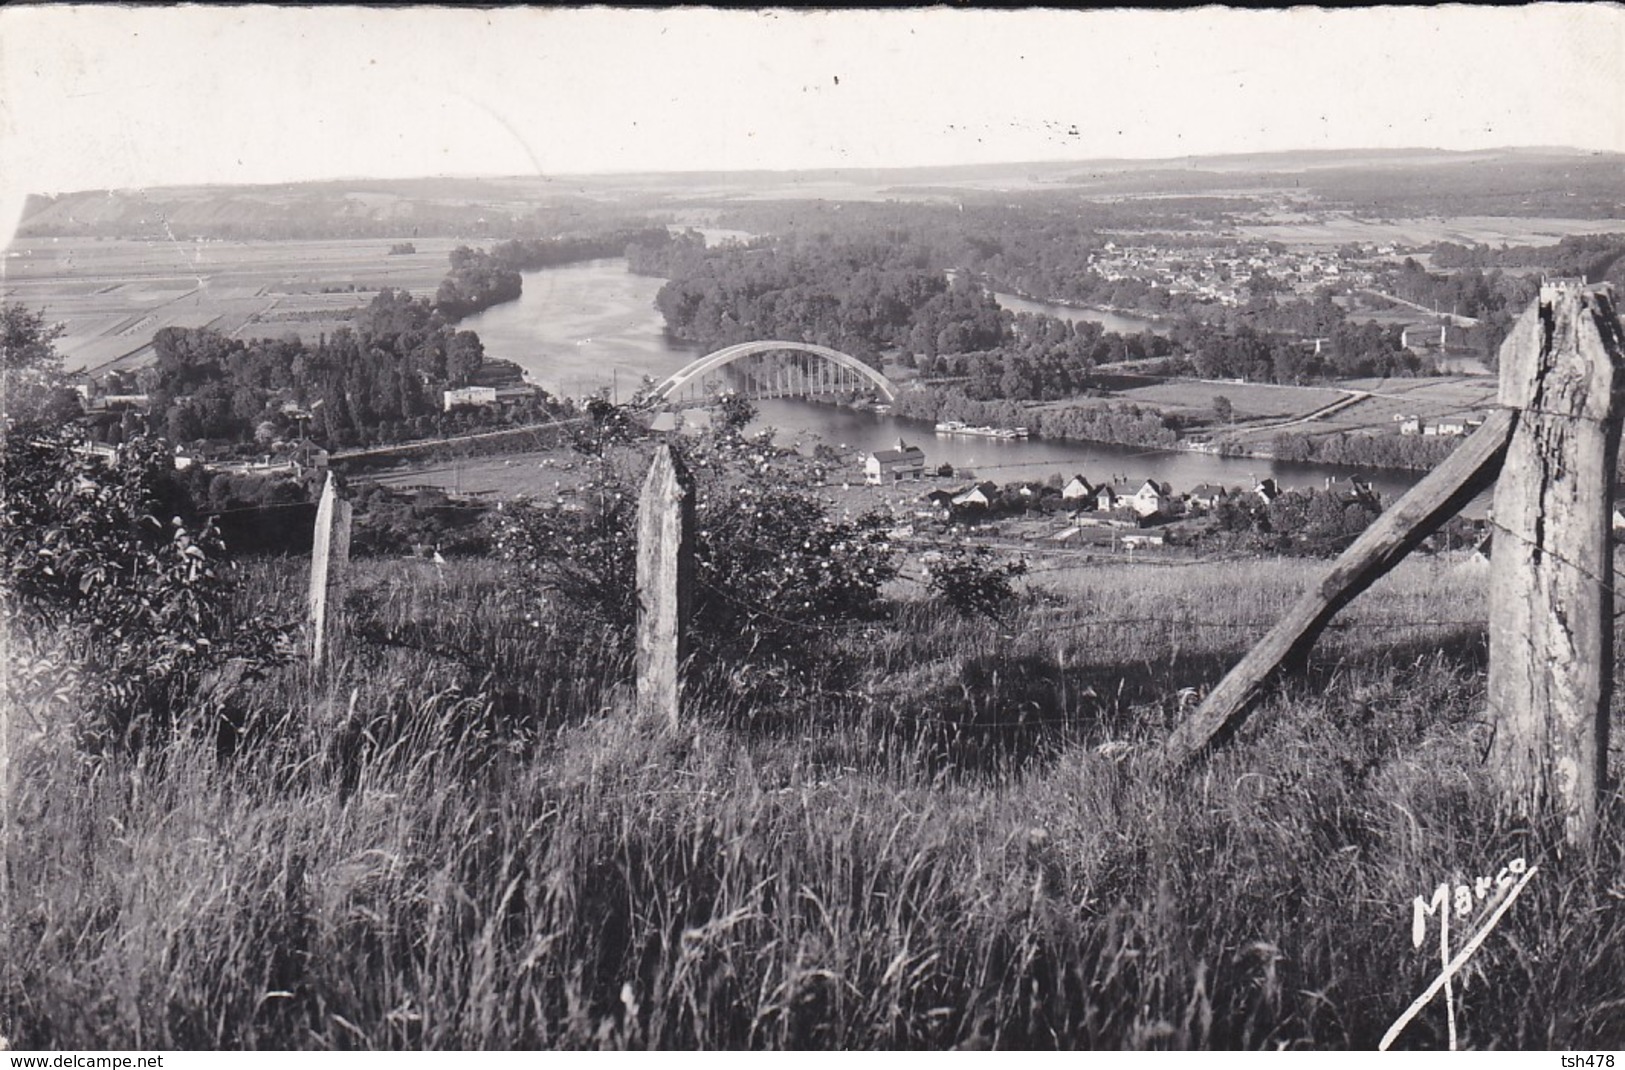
[{"x": 582, "y": 327}]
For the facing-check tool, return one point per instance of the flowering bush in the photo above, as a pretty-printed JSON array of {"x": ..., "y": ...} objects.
[{"x": 776, "y": 575}]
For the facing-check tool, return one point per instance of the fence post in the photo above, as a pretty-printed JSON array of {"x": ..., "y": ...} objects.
[
  {"x": 665, "y": 582},
  {"x": 329, "y": 554},
  {"x": 1551, "y": 576}
]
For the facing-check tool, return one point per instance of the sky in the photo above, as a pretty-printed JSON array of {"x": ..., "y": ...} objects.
[{"x": 98, "y": 97}]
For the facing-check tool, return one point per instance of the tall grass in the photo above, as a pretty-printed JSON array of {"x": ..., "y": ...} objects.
[{"x": 458, "y": 837}]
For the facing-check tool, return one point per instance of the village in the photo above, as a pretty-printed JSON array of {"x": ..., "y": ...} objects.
[
  {"x": 1227, "y": 274},
  {"x": 1063, "y": 512}
]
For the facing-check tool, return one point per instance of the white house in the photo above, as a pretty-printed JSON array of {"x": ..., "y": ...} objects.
[
  {"x": 1148, "y": 500},
  {"x": 469, "y": 395},
  {"x": 1207, "y": 495},
  {"x": 889, "y": 466},
  {"x": 1077, "y": 488}
]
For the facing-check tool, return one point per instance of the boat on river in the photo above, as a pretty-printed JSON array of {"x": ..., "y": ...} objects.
[{"x": 959, "y": 427}]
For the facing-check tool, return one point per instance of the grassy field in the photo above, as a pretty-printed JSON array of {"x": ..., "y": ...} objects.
[
  {"x": 459, "y": 836},
  {"x": 1251, "y": 400},
  {"x": 1263, "y": 409},
  {"x": 114, "y": 294}
]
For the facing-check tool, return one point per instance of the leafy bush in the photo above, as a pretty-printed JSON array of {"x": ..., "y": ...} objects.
[
  {"x": 389, "y": 523},
  {"x": 100, "y": 587}
]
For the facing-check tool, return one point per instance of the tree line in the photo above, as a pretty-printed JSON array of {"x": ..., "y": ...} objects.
[
  {"x": 861, "y": 297},
  {"x": 1122, "y": 423},
  {"x": 1415, "y": 452},
  {"x": 1575, "y": 255},
  {"x": 379, "y": 382}
]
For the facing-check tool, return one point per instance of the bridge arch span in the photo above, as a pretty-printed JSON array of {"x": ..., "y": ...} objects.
[{"x": 727, "y": 355}]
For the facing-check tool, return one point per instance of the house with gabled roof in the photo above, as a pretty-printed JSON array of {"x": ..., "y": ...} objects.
[
  {"x": 1149, "y": 500},
  {"x": 890, "y": 466},
  {"x": 978, "y": 494},
  {"x": 1107, "y": 498},
  {"x": 1076, "y": 488}
]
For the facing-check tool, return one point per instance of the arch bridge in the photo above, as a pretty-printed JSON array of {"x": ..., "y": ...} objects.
[{"x": 773, "y": 369}]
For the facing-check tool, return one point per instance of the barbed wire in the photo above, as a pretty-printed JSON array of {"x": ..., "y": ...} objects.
[
  {"x": 1605, "y": 584},
  {"x": 256, "y": 508}
]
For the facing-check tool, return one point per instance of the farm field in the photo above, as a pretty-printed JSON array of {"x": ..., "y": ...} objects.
[
  {"x": 1388, "y": 401},
  {"x": 1432, "y": 398},
  {"x": 114, "y": 294},
  {"x": 1334, "y": 229}
]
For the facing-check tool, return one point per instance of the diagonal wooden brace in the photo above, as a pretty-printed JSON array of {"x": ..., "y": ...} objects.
[
  {"x": 1439, "y": 496},
  {"x": 1534, "y": 377}
]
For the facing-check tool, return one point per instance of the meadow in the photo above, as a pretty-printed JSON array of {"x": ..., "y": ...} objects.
[
  {"x": 1251, "y": 400},
  {"x": 459, "y": 835}
]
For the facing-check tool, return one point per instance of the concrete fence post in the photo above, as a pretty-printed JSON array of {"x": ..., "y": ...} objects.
[
  {"x": 329, "y": 556},
  {"x": 665, "y": 578}
]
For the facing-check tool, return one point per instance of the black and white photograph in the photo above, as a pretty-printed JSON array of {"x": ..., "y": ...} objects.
[{"x": 673, "y": 529}]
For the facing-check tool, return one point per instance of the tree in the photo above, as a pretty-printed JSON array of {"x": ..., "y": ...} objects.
[
  {"x": 182, "y": 424},
  {"x": 464, "y": 355},
  {"x": 1223, "y": 410},
  {"x": 32, "y": 388}
]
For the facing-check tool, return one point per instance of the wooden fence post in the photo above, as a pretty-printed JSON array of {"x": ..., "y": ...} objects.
[
  {"x": 329, "y": 555},
  {"x": 1551, "y": 575},
  {"x": 665, "y": 583}
]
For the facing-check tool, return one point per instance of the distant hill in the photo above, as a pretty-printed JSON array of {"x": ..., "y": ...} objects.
[
  {"x": 356, "y": 209},
  {"x": 1392, "y": 181}
]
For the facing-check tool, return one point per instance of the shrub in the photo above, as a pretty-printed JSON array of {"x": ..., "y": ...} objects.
[
  {"x": 972, "y": 582},
  {"x": 101, "y": 587}
]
